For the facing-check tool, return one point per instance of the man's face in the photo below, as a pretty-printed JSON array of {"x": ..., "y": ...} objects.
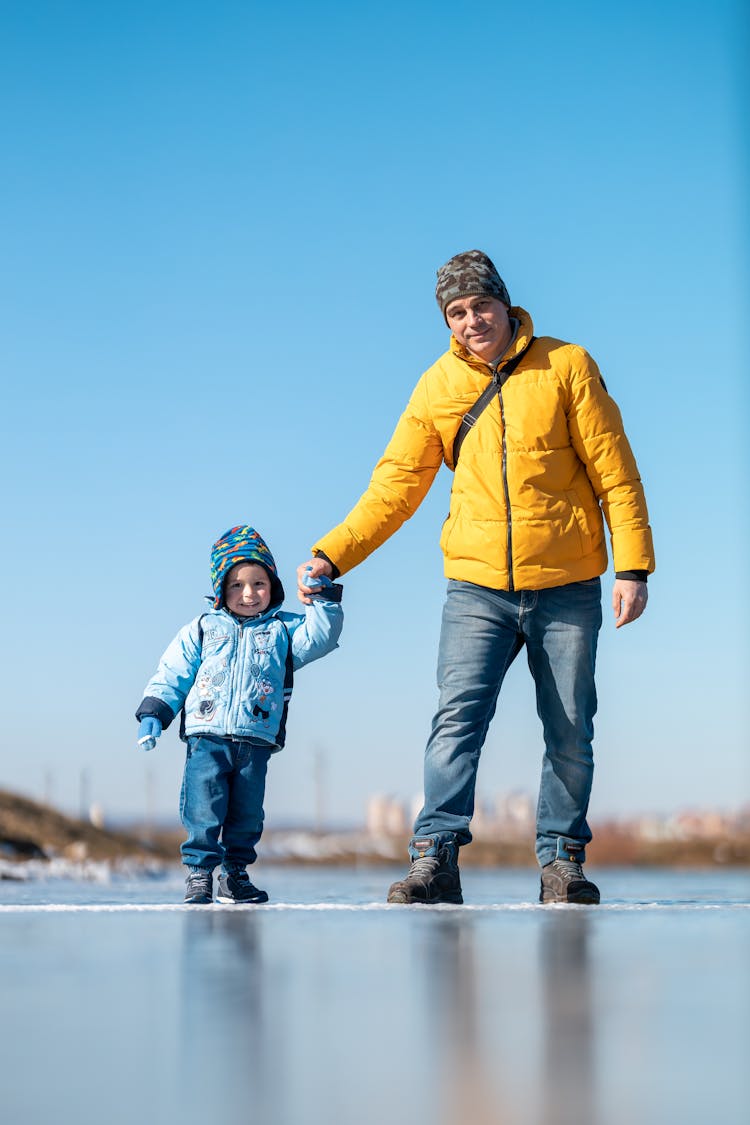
[
  {"x": 481, "y": 324},
  {"x": 247, "y": 590}
]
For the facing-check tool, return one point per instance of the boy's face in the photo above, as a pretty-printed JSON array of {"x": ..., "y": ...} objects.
[{"x": 247, "y": 590}]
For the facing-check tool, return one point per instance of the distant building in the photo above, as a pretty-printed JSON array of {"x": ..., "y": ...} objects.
[
  {"x": 96, "y": 815},
  {"x": 515, "y": 814},
  {"x": 512, "y": 816},
  {"x": 386, "y": 816}
]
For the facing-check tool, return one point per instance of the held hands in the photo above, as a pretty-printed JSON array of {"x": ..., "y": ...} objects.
[
  {"x": 628, "y": 600},
  {"x": 312, "y": 577},
  {"x": 148, "y": 732}
]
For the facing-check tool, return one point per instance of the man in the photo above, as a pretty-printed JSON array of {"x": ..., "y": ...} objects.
[{"x": 538, "y": 459}]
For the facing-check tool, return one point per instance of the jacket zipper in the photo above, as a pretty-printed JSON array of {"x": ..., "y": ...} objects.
[
  {"x": 506, "y": 490},
  {"x": 233, "y": 718}
]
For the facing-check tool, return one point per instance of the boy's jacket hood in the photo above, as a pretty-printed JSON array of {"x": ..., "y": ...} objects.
[{"x": 242, "y": 544}]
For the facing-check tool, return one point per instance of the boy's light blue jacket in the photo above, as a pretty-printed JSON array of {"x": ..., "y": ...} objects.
[{"x": 234, "y": 677}]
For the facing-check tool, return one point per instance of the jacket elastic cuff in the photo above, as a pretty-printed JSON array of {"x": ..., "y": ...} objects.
[
  {"x": 632, "y": 575},
  {"x": 332, "y": 564},
  {"x": 332, "y": 593},
  {"x": 157, "y": 708}
]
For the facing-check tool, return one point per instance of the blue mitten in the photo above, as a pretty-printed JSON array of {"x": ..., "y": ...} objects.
[
  {"x": 148, "y": 732},
  {"x": 321, "y": 580}
]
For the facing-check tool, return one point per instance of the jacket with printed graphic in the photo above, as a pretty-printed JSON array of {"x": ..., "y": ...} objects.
[
  {"x": 233, "y": 676},
  {"x": 546, "y": 457}
]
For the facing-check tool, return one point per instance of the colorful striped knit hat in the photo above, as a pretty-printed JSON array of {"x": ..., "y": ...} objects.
[{"x": 242, "y": 544}]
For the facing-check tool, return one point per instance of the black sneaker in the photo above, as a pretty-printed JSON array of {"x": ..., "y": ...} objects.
[
  {"x": 563, "y": 880},
  {"x": 235, "y": 886},
  {"x": 199, "y": 885},
  {"x": 431, "y": 878}
]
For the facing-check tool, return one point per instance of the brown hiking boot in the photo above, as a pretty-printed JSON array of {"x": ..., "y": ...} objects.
[
  {"x": 432, "y": 878},
  {"x": 563, "y": 880}
]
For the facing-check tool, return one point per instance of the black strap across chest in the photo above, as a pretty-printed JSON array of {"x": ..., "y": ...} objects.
[{"x": 472, "y": 416}]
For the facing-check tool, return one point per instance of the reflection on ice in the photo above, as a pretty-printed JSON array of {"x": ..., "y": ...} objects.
[
  {"x": 226, "y": 1028},
  {"x": 470, "y": 1082},
  {"x": 568, "y": 1065}
]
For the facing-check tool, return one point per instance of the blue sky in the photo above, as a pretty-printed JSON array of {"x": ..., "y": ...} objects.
[{"x": 220, "y": 230}]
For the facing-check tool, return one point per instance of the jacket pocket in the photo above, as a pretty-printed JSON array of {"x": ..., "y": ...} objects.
[
  {"x": 582, "y": 522},
  {"x": 449, "y": 524}
]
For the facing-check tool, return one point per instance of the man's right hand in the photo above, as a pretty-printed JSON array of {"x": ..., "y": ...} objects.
[{"x": 313, "y": 568}]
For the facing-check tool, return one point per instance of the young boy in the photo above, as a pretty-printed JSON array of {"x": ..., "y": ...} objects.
[{"x": 230, "y": 673}]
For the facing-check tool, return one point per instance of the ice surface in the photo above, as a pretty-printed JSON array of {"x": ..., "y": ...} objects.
[
  {"x": 329, "y": 1005},
  {"x": 66, "y": 883}
]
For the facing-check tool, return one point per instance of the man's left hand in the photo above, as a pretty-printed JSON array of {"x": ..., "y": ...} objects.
[{"x": 628, "y": 600}]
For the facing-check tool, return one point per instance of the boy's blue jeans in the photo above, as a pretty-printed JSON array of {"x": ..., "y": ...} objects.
[
  {"x": 223, "y": 787},
  {"x": 483, "y": 630}
]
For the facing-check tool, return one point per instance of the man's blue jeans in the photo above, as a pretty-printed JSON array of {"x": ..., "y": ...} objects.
[
  {"x": 223, "y": 787},
  {"x": 483, "y": 631}
]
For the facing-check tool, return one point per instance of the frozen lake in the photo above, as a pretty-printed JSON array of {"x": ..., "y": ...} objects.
[{"x": 121, "y": 1005}]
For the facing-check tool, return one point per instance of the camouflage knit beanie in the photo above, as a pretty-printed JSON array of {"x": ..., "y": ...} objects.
[
  {"x": 242, "y": 544},
  {"x": 470, "y": 274}
]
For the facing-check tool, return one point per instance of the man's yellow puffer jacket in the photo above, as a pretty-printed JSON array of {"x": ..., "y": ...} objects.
[{"x": 543, "y": 461}]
